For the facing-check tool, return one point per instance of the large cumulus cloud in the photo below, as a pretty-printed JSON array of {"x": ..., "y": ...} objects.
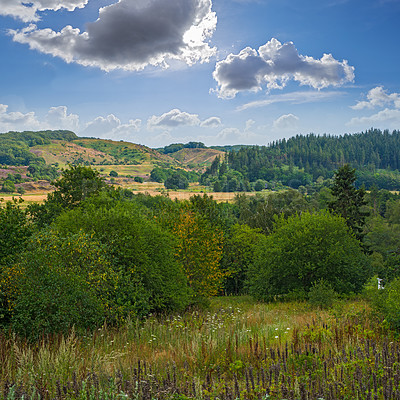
[
  {"x": 273, "y": 65},
  {"x": 131, "y": 35},
  {"x": 28, "y": 10}
]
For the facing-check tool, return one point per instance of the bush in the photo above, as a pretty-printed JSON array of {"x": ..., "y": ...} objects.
[
  {"x": 113, "y": 174},
  {"x": 321, "y": 295},
  {"x": 142, "y": 254},
  {"x": 307, "y": 248},
  {"x": 138, "y": 179},
  {"x": 386, "y": 301},
  {"x": 57, "y": 283}
]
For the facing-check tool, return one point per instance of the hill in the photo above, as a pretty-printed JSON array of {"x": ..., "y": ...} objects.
[
  {"x": 195, "y": 158},
  {"x": 304, "y": 160}
]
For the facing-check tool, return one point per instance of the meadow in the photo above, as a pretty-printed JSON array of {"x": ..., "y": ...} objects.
[{"x": 236, "y": 348}]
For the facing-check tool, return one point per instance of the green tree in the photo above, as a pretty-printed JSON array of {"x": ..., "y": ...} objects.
[
  {"x": 348, "y": 201},
  {"x": 141, "y": 252},
  {"x": 240, "y": 248},
  {"x": 75, "y": 185},
  {"x": 304, "y": 249},
  {"x": 176, "y": 181},
  {"x": 15, "y": 229}
]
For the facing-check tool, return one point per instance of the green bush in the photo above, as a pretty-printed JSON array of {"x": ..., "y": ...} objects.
[
  {"x": 138, "y": 179},
  {"x": 386, "y": 301},
  {"x": 140, "y": 251},
  {"x": 321, "y": 294},
  {"x": 57, "y": 283},
  {"x": 306, "y": 248}
]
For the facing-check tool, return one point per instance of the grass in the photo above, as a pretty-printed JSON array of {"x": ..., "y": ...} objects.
[{"x": 236, "y": 348}]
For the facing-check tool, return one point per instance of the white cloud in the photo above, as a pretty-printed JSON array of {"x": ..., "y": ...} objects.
[
  {"x": 378, "y": 97},
  {"x": 211, "y": 122},
  {"x": 131, "y": 35},
  {"x": 172, "y": 119},
  {"x": 16, "y": 120},
  {"x": 111, "y": 128},
  {"x": 294, "y": 98},
  {"x": 58, "y": 118},
  {"x": 287, "y": 123},
  {"x": 27, "y": 10},
  {"x": 176, "y": 118},
  {"x": 273, "y": 65},
  {"x": 386, "y": 116}
]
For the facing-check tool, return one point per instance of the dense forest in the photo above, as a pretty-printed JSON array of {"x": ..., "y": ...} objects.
[{"x": 304, "y": 161}]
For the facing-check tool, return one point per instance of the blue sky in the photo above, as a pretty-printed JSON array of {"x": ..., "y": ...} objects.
[{"x": 157, "y": 72}]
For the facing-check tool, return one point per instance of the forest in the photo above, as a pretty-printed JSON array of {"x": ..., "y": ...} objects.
[
  {"x": 306, "y": 161},
  {"x": 93, "y": 265}
]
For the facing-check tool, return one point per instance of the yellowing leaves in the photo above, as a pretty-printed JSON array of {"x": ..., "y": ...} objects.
[{"x": 199, "y": 250}]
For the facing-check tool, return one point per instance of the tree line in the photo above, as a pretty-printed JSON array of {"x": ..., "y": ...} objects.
[{"x": 301, "y": 160}]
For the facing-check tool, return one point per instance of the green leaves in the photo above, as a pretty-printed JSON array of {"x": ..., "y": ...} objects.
[{"x": 306, "y": 248}]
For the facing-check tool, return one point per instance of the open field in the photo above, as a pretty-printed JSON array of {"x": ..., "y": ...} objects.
[
  {"x": 235, "y": 349},
  {"x": 40, "y": 192}
]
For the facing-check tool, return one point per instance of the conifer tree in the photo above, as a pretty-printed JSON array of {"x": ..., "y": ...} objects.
[{"x": 349, "y": 202}]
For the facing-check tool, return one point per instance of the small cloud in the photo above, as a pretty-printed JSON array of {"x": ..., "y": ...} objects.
[
  {"x": 16, "y": 120},
  {"x": 273, "y": 65},
  {"x": 385, "y": 117},
  {"x": 287, "y": 123},
  {"x": 111, "y": 128},
  {"x": 378, "y": 97},
  {"x": 172, "y": 119},
  {"x": 212, "y": 122},
  {"x": 27, "y": 11},
  {"x": 58, "y": 118},
  {"x": 293, "y": 98}
]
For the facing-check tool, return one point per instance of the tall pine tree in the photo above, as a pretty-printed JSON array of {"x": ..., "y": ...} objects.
[{"x": 349, "y": 202}]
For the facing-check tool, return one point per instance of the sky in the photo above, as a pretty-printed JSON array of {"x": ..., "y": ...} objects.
[{"x": 222, "y": 72}]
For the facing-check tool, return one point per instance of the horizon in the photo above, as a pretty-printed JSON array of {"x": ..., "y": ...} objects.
[{"x": 239, "y": 72}]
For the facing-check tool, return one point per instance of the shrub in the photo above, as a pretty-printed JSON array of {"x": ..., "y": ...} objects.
[
  {"x": 138, "y": 179},
  {"x": 306, "y": 248},
  {"x": 321, "y": 294},
  {"x": 140, "y": 251},
  {"x": 386, "y": 301},
  {"x": 57, "y": 283}
]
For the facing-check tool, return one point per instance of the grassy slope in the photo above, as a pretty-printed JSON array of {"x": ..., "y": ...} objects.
[{"x": 197, "y": 157}]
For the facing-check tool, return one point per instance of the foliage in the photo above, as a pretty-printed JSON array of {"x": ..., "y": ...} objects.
[
  {"x": 57, "y": 283},
  {"x": 75, "y": 185},
  {"x": 260, "y": 211},
  {"x": 173, "y": 148},
  {"x": 387, "y": 302},
  {"x": 113, "y": 174},
  {"x": 8, "y": 186},
  {"x": 140, "y": 251},
  {"x": 239, "y": 250},
  {"x": 306, "y": 248},
  {"x": 321, "y": 294},
  {"x": 199, "y": 250},
  {"x": 15, "y": 229},
  {"x": 176, "y": 181},
  {"x": 138, "y": 179},
  {"x": 348, "y": 201},
  {"x": 158, "y": 174}
]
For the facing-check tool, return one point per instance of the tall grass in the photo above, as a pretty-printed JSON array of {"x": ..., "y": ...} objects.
[{"x": 236, "y": 349}]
